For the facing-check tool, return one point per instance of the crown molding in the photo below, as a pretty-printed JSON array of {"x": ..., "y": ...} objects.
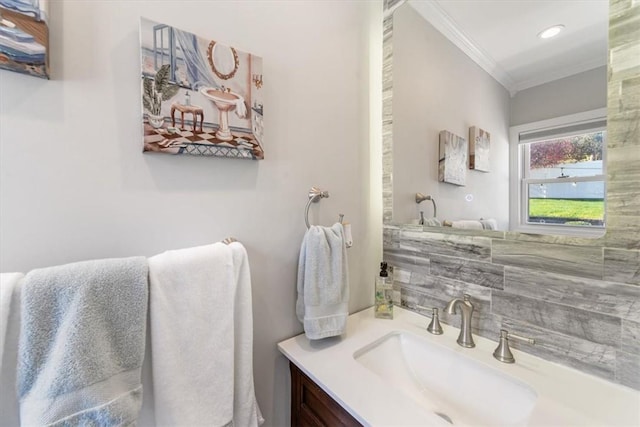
[
  {"x": 433, "y": 13},
  {"x": 561, "y": 73},
  {"x": 436, "y": 16}
]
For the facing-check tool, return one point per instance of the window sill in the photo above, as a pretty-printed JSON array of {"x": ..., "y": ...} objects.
[{"x": 561, "y": 230}]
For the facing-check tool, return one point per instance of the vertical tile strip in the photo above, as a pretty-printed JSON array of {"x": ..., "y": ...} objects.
[
  {"x": 623, "y": 149},
  {"x": 387, "y": 120}
]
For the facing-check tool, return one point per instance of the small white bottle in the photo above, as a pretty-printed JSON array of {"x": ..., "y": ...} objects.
[{"x": 384, "y": 294}]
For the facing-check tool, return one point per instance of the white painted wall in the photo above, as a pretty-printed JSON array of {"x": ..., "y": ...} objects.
[
  {"x": 75, "y": 185},
  {"x": 437, "y": 87},
  {"x": 574, "y": 94}
]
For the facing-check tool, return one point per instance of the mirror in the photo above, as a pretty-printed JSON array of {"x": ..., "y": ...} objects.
[
  {"x": 534, "y": 273},
  {"x": 223, "y": 60},
  {"x": 437, "y": 87}
]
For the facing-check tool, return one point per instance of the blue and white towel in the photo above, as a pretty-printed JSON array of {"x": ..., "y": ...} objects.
[
  {"x": 81, "y": 345},
  {"x": 323, "y": 282}
]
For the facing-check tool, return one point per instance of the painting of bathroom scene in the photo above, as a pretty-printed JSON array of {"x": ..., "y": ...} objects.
[
  {"x": 452, "y": 160},
  {"x": 199, "y": 97},
  {"x": 24, "y": 37},
  {"x": 479, "y": 147}
]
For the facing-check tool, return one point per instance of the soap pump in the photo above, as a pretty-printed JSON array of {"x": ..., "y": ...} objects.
[{"x": 384, "y": 294}]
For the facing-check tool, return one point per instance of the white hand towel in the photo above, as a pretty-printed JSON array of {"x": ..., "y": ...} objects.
[
  {"x": 8, "y": 283},
  {"x": 469, "y": 224},
  {"x": 348, "y": 236},
  {"x": 82, "y": 343},
  {"x": 432, "y": 222},
  {"x": 489, "y": 224},
  {"x": 192, "y": 335},
  {"x": 241, "y": 108},
  {"x": 323, "y": 282},
  {"x": 246, "y": 412}
]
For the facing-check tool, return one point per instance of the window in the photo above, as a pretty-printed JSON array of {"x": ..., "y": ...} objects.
[
  {"x": 167, "y": 50},
  {"x": 164, "y": 48},
  {"x": 559, "y": 182}
]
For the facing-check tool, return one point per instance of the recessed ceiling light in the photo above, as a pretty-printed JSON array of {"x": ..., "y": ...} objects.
[{"x": 551, "y": 32}]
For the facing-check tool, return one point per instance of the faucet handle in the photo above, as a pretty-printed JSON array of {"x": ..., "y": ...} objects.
[
  {"x": 434, "y": 327},
  {"x": 503, "y": 352},
  {"x": 512, "y": 336}
]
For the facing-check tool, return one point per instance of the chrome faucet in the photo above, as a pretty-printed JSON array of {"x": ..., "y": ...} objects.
[{"x": 466, "y": 310}]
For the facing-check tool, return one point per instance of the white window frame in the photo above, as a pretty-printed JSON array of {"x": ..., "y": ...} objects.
[{"x": 517, "y": 186}]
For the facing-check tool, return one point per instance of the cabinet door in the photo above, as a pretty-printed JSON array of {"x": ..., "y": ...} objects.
[{"x": 312, "y": 407}]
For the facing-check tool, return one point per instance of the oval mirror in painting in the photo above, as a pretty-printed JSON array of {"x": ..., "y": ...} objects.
[{"x": 223, "y": 60}]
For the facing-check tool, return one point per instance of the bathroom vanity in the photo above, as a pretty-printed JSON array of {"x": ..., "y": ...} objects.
[
  {"x": 311, "y": 406},
  {"x": 393, "y": 372}
]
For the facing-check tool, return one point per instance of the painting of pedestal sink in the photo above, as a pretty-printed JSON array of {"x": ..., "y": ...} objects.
[{"x": 199, "y": 96}]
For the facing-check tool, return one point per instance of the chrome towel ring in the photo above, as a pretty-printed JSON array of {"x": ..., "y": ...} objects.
[
  {"x": 315, "y": 194},
  {"x": 421, "y": 198}
]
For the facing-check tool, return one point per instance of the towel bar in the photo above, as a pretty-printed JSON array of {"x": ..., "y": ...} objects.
[
  {"x": 315, "y": 194},
  {"x": 421, "y": 198}
]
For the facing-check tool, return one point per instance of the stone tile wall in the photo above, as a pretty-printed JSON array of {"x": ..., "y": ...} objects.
[{"x": 554, "y": 293}]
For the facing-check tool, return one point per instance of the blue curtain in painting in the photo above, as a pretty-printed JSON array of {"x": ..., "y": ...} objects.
[{"x": 198, "y": 72}]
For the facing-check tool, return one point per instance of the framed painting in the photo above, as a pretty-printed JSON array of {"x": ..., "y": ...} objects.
[
  {"x": 479, "y": 147},
  {"x": 452, "y": 160},
  {"x": 199, "y": 97},
  {"x": 24, "y": 37}
]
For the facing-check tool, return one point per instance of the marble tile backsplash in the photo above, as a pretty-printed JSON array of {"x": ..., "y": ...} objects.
[{"x": 578, "y": 320}]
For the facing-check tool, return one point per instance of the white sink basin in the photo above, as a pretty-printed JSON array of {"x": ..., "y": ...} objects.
[{"x": 457, "y": 388}]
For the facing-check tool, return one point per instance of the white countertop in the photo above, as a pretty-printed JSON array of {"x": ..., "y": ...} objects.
[{"x": 565, "y": 396}]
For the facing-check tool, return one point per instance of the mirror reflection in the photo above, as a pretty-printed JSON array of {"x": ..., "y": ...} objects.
[{"x": 480, "y": 71}]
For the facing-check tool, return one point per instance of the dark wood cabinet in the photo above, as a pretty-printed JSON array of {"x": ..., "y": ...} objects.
[{"x": 312, "y": 407}]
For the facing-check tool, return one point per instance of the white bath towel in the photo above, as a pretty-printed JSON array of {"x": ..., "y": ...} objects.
[
  {"x": 323, "y": 282},
  {"x": 246, "y": 412},
  {"x": 8, "y": 284},
  {"x": 82, "y": 343},
  {"x": 192, "y": 335}
]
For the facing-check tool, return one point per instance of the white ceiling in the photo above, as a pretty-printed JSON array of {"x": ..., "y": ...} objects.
[{"x": 501, "y": 36}]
